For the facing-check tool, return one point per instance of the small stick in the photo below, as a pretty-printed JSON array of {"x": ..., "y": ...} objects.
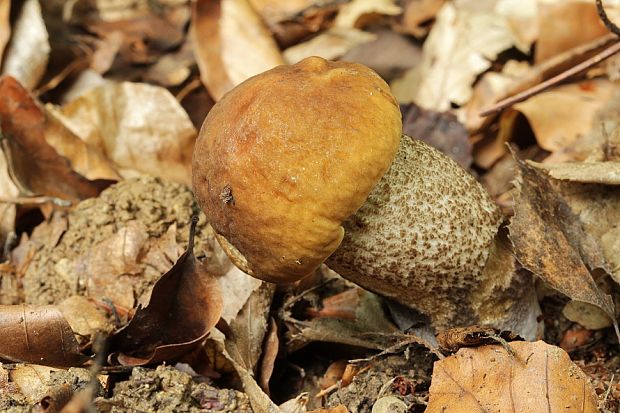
[
  {"x": 602, "y": 14},
  {"x": 520, "y": 97}
]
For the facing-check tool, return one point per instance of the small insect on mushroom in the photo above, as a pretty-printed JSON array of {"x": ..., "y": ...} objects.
[{"x": 393, "y": 215}]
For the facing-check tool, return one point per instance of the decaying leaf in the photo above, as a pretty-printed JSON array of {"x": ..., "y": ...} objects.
[
  {"x": 37, "y": 334},
  {"x": 84, "y": 316},
  {"x": 231, "y": 44},
  {"x": 338, "y": 409},
  {"x": 269, "y": 355},
  {"x": 549, "y": 241},
  {"x": 417, "y": 15},
  {"x": 185, "y": 304},
  {"x": 141, "y": 128},
  {"x": 34, "y": 164},
  {"x": 538, "y": 378},
  {"x": 29, "y": 49},
  {"x": 463, "y": 42}
]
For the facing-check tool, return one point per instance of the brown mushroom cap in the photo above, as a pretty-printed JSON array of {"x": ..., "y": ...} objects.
[{"x": 287, "y": 155}]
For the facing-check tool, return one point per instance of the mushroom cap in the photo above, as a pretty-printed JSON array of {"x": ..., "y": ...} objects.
[{"x": 286, "y": 156}]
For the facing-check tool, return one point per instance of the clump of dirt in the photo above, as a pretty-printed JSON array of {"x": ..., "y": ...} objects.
[
  {"x": 150, "y": 203},
  {"x": 403, "y": 376},
  {"x": 168, "y": 390}
]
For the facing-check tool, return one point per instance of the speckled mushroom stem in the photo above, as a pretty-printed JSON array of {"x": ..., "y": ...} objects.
[{"x": 427, "y": 237}]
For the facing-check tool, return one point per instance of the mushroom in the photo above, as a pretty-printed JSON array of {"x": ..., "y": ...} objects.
[{"x": 305, "y": 164}]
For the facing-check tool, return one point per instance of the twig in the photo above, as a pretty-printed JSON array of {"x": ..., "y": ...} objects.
[
  {"x": 611, "y": 26},
  {"x": 608, "y": 389},
  {"x": 520, "y": 97}
]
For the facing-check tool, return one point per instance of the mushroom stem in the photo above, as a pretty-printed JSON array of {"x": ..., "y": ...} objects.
[{"x": 427, "y": 237}]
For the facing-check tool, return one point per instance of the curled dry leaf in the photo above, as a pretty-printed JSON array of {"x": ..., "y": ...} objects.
[
  {"x": 538, "y": 377},
  {"x": 231, "y": 44},
  {"x": 37, "y": 334},
  {"x": 141, "y": 128},
  {"x": 549, "y": 241},
  {"x": 275, "y": 11},
  {"x": 185, "y": 304},
  {"x": 35, "y": 166},
  {"x": 28, "y": 52},
  {"x": 419, "y": 12}
]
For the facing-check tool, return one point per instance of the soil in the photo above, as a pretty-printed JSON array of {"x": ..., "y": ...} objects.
[
  {"x": 154, "y": 204},
  {"x": 168, "y": 390}
]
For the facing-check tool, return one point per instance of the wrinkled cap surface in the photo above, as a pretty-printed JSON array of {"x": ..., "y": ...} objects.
[{"x": 286, "y": 156}]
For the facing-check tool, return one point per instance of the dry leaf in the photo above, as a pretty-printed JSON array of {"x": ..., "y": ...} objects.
[
  {"x": 141, "y": 128},
  {"x": 84, "y": 316},
  {"x": 607, "y": 173},
  {"x": 37, "y": 334},
  {"x": 440, "y": 130},
  {"x": 353, "y": 13},
  {"x": 114, "y": 10},
  {"x": 28, "y": 52},
  {"x": 8, "y": 209},
  {"x": 185, "y": 304},
  {"x": 5, "y": 25},
  {"x": 237, "y": 288},
  {"x": 342, "y": 305},
  {"x": 231, "y": 44},
  {"x": 564, "y": 25},
  {"x": 562, "y": 115},
  {"x": 588, "y": 315},
  {"x": 271, "y": 348},
  {"x": 250, "y": 325},
  {"x": 329, "y": 45},
  {"x": 462, "y": 44},
  {"x": 35, "y": 166},
  {"x": 537, "y": 378},
  {"x": 370, "y": 328},
  {"x": 549, "y": 241},
  {"x": 108, "y": 269},
  {"x": 390, "y": 54},
  {"x": 275, "y": 11},
  {"x": 417, "y": 15}
]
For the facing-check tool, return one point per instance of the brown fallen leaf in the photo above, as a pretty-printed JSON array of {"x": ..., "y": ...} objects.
[
  {"x": 38, "y": 334},
  {"x": 354, "y": 13},
  {"x": 35, "y": 166},
  {"x": 342, "y": 305},
  {"x": 231, "y": 44},
  {"x": 564, "y": 25},
  {"x": 275, "y": 11},
  {"x": 28, "y": 51},
  {"x": 338, "y": 409},
  {"x": 538, "y": 378},
  {"x": 549, "y": 241},
  {"x": 439, "y": 129},
  {"x": 561, "y": 116},
  {"x": 185, "y": 304}
]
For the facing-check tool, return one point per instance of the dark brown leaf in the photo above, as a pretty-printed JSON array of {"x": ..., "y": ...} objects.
[
  {"x": 185, "y": 303},
  {"x": 549, "y": 241},
  {"x": 439, "y": 129},
  {"x": 35, "y": 165},
  {"x": 37, "y": 334}
]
